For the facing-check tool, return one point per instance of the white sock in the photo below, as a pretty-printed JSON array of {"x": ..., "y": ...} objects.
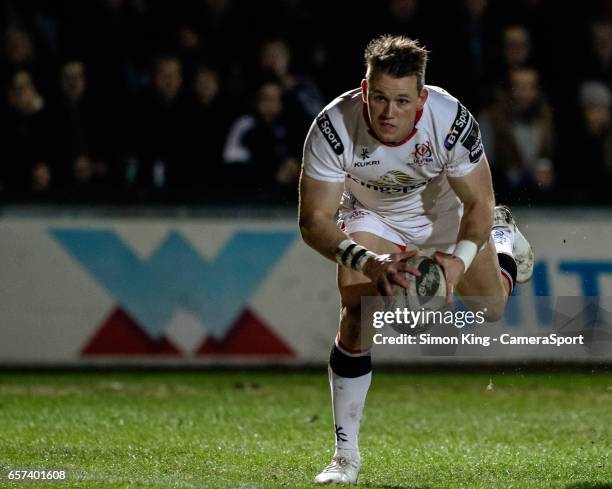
[
  {"x": 503, "y": 239},
  {"x": 348, "y": 400}
]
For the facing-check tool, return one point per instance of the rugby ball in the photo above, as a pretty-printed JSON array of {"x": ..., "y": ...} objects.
[{"x": 426, "y": 292}]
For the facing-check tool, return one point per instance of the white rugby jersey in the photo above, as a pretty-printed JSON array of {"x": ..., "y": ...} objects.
[{"x": 401, "y": 181}]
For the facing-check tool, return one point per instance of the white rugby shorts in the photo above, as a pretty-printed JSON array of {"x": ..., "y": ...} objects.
[{"x": 428, "y": 233}]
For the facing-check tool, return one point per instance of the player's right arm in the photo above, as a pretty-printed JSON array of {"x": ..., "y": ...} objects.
[
  {"x": 318, "y": 206},
  {"x": 322, "y": 183}
]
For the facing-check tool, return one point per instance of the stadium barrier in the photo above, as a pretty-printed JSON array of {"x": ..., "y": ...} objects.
[{"x": 222, "y": 287}]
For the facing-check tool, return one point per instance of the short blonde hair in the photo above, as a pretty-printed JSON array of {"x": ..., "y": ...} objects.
[{"x": 398, "y": 56}]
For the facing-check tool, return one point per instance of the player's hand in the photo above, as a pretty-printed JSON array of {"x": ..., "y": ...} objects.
[
  {"x": 453, "y": 267},
  {"x": 385, "y": 270}
]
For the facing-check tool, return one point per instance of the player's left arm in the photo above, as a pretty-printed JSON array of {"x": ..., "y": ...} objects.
[{"x": 475, "y": 190}]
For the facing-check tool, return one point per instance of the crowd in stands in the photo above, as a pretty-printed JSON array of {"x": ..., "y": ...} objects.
[{"x": 205, "y": 101}]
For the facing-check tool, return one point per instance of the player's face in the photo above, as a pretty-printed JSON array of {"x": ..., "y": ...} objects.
[{"x": 392, "y": 105}]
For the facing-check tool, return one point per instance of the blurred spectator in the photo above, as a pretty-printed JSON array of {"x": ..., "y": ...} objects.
[
  {"x": 88, "y": 178},
  {"x": 19, "y": 53},
  {"x": 302, "y": 99},
  {"x": 114, "y": 39},
  {"x": 212, "y": 32},
  {"x": 599, "y": 65},
  {"x": 25, "y": 127},
  {"x": 209, "y": 25},
  {"x": 518, "y": 134},
  {"x": 208, "y": 121},
  {"x": 470, "y": 54},
  {"x": 588, "y": 169},
  {"x": 190, "y": 48},
  {"x": 160, "y": 124},
  {"x": 517, "y": 47},
  {"x": 79, "y": 130},
  {"x": 206, "y": 86},
  {"x": 540, "y": 46},
  {"x": 401, "y": 17},
  {"x": 260, "y": 146},
  {"x": 19, "y": 49},
  {"x": 515, "y": 53},
  {"x": 477, "y": 29}
]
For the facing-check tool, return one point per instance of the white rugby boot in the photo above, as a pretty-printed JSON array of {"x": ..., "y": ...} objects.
[
  {"x": 521, "y": 249},
  {"x": 341, "y": 470}
]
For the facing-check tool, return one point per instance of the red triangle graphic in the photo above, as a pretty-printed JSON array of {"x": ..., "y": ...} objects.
[
  {"x": 121, "y": 335},
  {"x": 247, "y": 336}
]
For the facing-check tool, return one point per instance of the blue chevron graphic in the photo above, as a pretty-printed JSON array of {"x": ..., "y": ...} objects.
[{"x": 176, "y": 275}]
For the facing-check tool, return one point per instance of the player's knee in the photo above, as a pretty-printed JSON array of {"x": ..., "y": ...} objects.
[
  {"x": 491, "y": 309},
  {"x": 494, "y": 312}
]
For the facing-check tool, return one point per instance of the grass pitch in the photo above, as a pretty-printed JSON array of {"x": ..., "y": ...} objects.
[{"x": 260, "y": 430}]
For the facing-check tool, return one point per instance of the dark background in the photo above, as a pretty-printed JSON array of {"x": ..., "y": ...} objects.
[{"x": 209, "y": 101}]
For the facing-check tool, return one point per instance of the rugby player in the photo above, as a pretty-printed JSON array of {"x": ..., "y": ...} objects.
[{"x": 404, "y": 164}]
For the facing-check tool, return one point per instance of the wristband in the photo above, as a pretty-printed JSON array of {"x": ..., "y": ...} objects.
[
  {"x": 466, "y": 251},
  {"x": 352, "y": 255}
]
